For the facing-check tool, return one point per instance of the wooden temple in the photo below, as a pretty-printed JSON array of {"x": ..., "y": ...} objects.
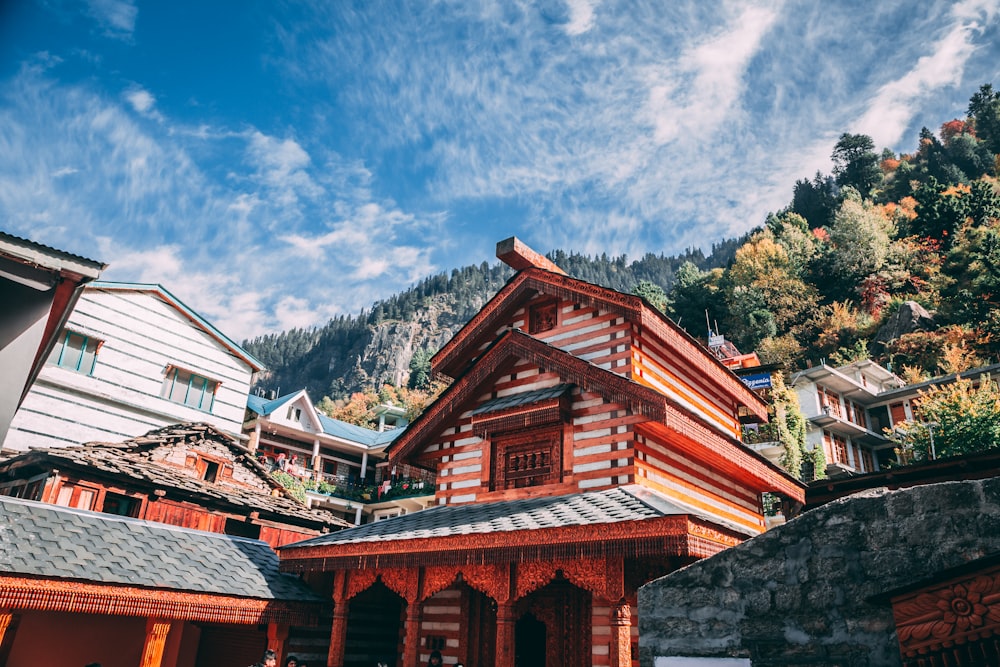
[{"x": 586, "y": 446}]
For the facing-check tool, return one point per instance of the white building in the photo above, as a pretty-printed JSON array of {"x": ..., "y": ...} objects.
[
  {"x": 132, "y": 358},
  {"x": 846, "y": 412},
  {"x": 344, "y": 465}
]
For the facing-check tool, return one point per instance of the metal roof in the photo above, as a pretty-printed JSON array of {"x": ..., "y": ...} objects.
[
  {"x": 42, "y": 540},
  {"x": 49, "y": 257}
]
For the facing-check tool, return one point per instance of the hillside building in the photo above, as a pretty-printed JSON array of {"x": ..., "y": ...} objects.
[
  {"x": 188, "y": 475},
  {"x": 132, "y": 358},
  {"x": 344, "y": 465},
  {"x": 586, "y": 446},
  {"x": 852, "y": 410}
]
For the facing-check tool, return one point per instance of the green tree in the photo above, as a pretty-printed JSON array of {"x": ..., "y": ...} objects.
[
  {"x": 861, "y": 236},
  {"x": 984, "y": 112},
  {"x": 420, "y": 369},
  {"x": 962, "y": 417},
  {"x": 694, "y": 293},
  {"x": 652, "y": 293},
  {"x": 766, "y": 298},
  {"x": 856, "y": 163}
]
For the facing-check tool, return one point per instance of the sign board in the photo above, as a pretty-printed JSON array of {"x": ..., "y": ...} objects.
[
  {"x": 716, "y": 341},
  {"x": 757, "y": 381}
]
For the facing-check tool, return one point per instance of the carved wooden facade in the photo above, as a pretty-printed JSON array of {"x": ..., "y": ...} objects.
[
  {"x": 956, "y": 622},
  {"x": 562, "y": 389}
]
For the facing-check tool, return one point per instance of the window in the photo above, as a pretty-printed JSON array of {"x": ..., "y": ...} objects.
[
  {"x": 181, "y": 386},
  {"x": 527, "y": 459},
  {"x": 294, "y": 413},
  {"x": 115, "y": 503},
  {"x": 75, "y": 352},
  {"x": 211, "y": 471},
  {"x": 74, "y": 496},
  {"x": 242, "y": 528}
]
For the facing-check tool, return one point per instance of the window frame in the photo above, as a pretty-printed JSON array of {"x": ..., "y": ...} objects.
[
  {"x": 85, "y": 341},
  {"x": 168, "y": 388}
]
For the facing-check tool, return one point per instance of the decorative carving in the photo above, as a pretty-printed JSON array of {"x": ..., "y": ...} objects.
[
  {"x": 951, "y": 614},
  {"x": 358, "y": 581},
  {"x": 437, "y": 579},
  {"x": 529, "y": 458},
  {"x": 402, "y": 581},
  {"x": 491, "y": 580},
  {"x": 587, "y": 573},
  {"x": 614, "y": 573},
  {"x": 532, "y": 575},
  {"x": 156, "y": 638},
  {"x": 543, "y": 317},
  {"x": 78, "y": 597}
]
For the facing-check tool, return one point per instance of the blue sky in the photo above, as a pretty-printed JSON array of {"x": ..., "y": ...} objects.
[{"x": 274, "y": 164}]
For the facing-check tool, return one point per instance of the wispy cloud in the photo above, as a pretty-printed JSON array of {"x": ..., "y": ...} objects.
[
  {"x": 235, "y": 250},
  {"x": 116, "y": 17},
  {"x": 892, "y": 109}
]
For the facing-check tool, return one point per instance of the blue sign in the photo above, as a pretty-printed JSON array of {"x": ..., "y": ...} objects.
[{"x": 757, "y": 381}]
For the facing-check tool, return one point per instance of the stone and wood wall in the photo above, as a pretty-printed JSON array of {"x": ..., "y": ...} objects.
[{"x": 822, "y": 589}]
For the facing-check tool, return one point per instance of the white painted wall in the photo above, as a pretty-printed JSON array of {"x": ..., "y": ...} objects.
[{"x": 143, "y": 335}]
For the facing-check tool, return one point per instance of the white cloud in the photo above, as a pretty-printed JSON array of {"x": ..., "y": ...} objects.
[
  {"x": 117, "y": 17},
  {"x": 697, "y": 91},
  {"x": 581, "y": 17},
  {"x": 893, "y": 107},
  {"x": 141, "y": 100}
]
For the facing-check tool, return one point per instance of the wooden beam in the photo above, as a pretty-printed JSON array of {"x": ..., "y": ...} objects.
[{"x": 518, "y": 256}]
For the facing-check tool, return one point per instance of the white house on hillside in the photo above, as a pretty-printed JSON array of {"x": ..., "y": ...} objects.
[
  {"x": 846, "y": 413},
  {"x": 344, "y": 466},
  {"x": 130, "y": 359}
]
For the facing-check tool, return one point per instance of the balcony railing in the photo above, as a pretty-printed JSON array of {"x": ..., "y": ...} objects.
[
  {"x": 763, "y": 433},
  {"x": 341, "y": 487}
]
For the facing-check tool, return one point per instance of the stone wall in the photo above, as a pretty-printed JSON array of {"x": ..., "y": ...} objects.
[{"x": 812, "y": 592}]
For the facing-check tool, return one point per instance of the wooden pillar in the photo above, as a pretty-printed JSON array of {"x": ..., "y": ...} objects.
[
  {"x": 277, "y": 635},
  {"x": 157, "y": 630},
  {"x": 411, "y": 633},
  {"x": 505, "y": 634},
  {"x": 338, "y": 636},
  {"x": 621, "y": 634},
  {"x": 8, "y": 630}
]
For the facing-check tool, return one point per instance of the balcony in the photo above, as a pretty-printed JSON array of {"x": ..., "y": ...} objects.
[
  {"x": 765, "y": 441},
  {"x": 338, "y": 486},
  {"x": 833, "y": 420}
]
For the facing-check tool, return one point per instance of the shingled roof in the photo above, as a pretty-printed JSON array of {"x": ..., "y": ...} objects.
[
  {"x": 593, "y": 508},
  {"x": 49, "y": 541},
  {"x": 132, "y": 460}
]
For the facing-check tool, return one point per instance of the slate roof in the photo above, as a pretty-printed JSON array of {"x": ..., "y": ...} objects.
[
  {"x": 620, "y": 504},
  {"x": 336, "y": 428},
  {"x": 130, "y": 461},
  {"x": 42, "y": 540},
  {"x": 524, "y": 398}
]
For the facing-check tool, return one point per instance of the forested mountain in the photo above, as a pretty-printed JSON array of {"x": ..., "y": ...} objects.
[
  {"x": 823, "y": 279},
  {"x": 355, "y": 353}
]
